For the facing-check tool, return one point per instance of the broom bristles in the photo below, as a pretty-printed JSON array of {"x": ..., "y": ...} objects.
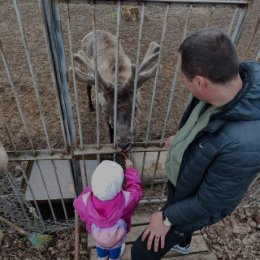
[{"x": 39, "y": 241}]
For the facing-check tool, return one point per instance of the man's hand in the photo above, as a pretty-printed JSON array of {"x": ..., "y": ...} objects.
[
  {"x": 168, "y": 141},
  {"x": 156, "y": 231}
]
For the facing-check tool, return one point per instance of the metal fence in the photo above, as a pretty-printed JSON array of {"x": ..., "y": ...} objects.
[{"x": 45, "y": 125}]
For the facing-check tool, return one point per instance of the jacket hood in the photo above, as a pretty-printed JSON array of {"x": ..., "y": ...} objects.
[
  {"x": 246, "y": 105},
  {"x": 105, "y": 213}
]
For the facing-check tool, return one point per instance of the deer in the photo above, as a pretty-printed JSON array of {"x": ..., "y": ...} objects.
[{"x": 105, "y": 74}]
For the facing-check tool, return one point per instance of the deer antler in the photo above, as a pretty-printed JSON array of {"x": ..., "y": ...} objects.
[
  {"x": 151, "y": 55},
  {"x": 82, "y": 59},
  {"x": 144, "y": 76},
  {"x": 84, "y": 77}
]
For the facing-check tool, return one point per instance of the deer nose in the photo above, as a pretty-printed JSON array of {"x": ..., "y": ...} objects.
[
  {"x": 125, "y": 147},
  {"x": 125, "y": 144}
]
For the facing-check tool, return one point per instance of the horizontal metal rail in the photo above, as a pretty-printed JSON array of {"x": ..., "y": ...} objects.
[
  {"x": 108, "y": 148},
  {"x": 24, "y": 155},
  {"x": 242, "y": 2},
  {"x": 58, "y": 154}
]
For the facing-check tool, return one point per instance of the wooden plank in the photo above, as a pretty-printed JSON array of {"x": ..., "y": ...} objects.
[
  {"x": 134, "y": 233},
  {"x": 141, "y": 219},
  {"x": 198, "y": 245},
  {"x": 197, "y": 256}
]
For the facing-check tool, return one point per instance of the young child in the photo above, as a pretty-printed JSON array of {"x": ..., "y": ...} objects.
[{"x": 106, "y": 208}]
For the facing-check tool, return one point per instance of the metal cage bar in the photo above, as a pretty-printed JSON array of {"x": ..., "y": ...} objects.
[
  {"x": 137, "y": 66},
  {"x": 10, "y": 136},
  {"x": 157, "y": 73},
  {"x": 25, "y": 124},
  {"x": 46, "y": 37},
  {"x": 232, "y": 21},
  {"x": 118, "y": 19},
  {"x": 174, "y": 81},
  {"x": 155, "y": 85},
  {"x": 155, "y": 170},
  {"x": 33, "y": 196},
  {"x": 258, "y": 55},
  {"x": 210, "y": 16},
  {"x": 257, "y": 25},
  {"x": 239, "y": 26},
  {"x": 52, "y": 21},
  {"x": 33, "y": 77},
  {"x": 60, "y": 191},
  {"x": 75, "y": 85},
  {"x": 96, "y": 76},
  {"x": 84, "y": 174},
  {"x": 47, "y": 193}
]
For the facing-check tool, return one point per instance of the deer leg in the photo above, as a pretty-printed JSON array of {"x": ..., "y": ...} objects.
[
  {"x": 111, "y": 132},
  {"x": 90, "y": 105}
]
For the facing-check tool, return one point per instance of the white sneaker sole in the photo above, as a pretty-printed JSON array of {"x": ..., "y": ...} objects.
[
  {"x": 122, "y": 249},
  {"x": 180, "y": 251}
]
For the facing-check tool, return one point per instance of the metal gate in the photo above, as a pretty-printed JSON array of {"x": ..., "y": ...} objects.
[{"x": 53, "y": 141}]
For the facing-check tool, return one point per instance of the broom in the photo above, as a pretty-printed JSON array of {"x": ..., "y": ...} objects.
[{"x": 38, "y": 240}]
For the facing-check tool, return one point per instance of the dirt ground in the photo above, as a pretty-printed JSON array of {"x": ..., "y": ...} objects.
[
  {"x": 240, "y": 240},
  {"x": 81, "y": 24}
]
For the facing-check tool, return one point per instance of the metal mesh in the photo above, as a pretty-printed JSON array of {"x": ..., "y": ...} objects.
[
  {"x": 18, "y": 210},
  {"x": 14, "y": 207}
]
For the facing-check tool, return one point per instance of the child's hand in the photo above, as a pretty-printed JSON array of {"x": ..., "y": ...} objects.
[{"x": 128, "y": 164}]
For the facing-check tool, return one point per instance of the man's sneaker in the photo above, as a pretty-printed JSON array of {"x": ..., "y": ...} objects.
[
  {"x": 182, "y": 250},
  {"x": 122, "y": 249}
]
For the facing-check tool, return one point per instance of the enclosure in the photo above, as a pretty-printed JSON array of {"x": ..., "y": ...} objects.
[{"x": 53, "y": 141}]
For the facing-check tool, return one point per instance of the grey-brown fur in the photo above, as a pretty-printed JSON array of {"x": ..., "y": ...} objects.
[{"x": 106, "y": 64}]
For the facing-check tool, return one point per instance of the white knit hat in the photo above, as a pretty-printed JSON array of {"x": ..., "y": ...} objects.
[{"x": 107, "y": 180}]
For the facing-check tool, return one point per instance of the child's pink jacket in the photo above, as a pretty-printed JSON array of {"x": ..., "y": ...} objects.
[{"x": 105, "y": 214}]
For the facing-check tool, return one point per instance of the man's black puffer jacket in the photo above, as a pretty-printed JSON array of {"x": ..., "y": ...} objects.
[{"x": 221, "y": 162}]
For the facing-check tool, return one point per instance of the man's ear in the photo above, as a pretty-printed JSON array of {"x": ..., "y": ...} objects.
[{"x": 200, "y": 82}]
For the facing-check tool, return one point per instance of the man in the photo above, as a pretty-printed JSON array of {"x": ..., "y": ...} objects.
[{"x": 215, "y": 155}]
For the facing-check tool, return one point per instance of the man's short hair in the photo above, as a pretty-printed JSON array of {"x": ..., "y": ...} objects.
[{"x": 209, "y": 53}]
